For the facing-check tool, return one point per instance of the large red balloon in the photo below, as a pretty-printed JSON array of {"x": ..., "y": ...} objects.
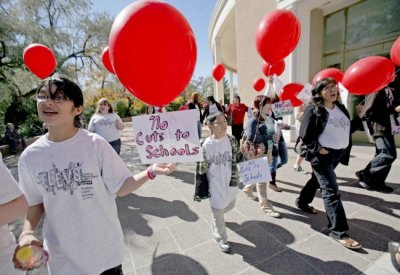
[
  {"x": 105, "y": 58},
  {"x": 330, "y": 72},
  {"x": 277, "y": 68},
  {"x": 395, "y": 52},
  {"x": 290, "y": 91},
  {"x": 258, "y": 84},
  {"x": 277, "y": 35},
  {"x": 39, "y": 60},
  {"x": 153, "y": 51},
  {"x": 368, "y": 75},
  {"x": 218, "y": 72}
]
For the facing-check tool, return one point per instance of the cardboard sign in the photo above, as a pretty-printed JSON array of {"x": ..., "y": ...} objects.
[
  {"x": 344, "y": 94},
  {"x": 282, "y": 108},
  {"x": 395, "y": 124},
  {"x": 305, "y": 94},
  {"x": 167, "y": 137},
  {"x": 254, "y": 171}
]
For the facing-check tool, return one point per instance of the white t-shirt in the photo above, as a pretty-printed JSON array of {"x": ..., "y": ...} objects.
[
  {"x": 105, "y": 125},
  {"x": 8, "y": 191},
  {"x": 219, "y": 157},
  {"x": 336, "y": 134},
  {"x": 76, "y": 180},
  {"x": 212, "y": 108}
]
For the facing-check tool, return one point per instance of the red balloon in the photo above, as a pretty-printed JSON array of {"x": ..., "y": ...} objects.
[
  {"x": 330, "y": 72},
  {"x": 277, "y": 68},
  {"x": 395, "y": 52},
  {"x": 290, "y": 91},
  {"x": 368, "y": 75},
  {"x": 153, "y": 51},
  {"x": 39, "y": 60},
  {"x": 277, "y": 35},
  {"x": 218, "y": 72},
  {"x": 258, "y": 84},
  {"x": 105, "y": 58}
]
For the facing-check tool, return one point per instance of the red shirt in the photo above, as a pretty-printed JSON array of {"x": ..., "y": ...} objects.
[{"x": 238, "y": 112}]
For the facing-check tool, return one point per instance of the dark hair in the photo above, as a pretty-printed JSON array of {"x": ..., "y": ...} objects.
[
  {"x": 316, "y": 100},
  {"x": 238, "y": 97},
  {"x": 260, "y": 101},
  {"x": 68, "y": 88},
  {"x": 211, "y": 98},
  {"x": 213, "y": 116}
]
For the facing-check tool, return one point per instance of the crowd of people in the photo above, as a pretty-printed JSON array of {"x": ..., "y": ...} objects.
[{"x": 51, "y": 168}]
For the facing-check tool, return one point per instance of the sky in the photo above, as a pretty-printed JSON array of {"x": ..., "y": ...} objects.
[{"x": 197, "y": 13}]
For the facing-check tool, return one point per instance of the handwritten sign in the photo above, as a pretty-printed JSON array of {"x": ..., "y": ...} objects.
[
  {"x": 167, "y": 137},
  {"x": 395, "y": 124},
  {"x": 278, "y": 84},
  {"x": 344, "y": 94},
  {"x": 254, "y": 171},
  {"x": 282, "y": 108}
]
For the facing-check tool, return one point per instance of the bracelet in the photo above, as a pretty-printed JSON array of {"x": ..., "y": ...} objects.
[
  {"x": 26, "y": 232},
  {"x": 150, "y": 172}
]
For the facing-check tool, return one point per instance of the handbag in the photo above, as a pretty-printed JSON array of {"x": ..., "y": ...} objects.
[{"x": 201, "y": 190}]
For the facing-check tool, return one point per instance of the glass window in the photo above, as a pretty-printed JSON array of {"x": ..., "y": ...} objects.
[{"x": 334, "y": 32}]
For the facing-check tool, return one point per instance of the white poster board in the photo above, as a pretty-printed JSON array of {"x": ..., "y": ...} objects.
[
  {"x": 254, "y": 171},
  {"x": 344, "y": 94},
  {"x": 395, "y": 124},
  {"x": 167, "y": 137},
  {"x": 305, "y": 94},
  {"x": 282, "y": 108},
  {"x": 278, "y": 85}
]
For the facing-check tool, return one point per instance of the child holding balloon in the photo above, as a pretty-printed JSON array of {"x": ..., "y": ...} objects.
[{"x": 71, "y": 177}]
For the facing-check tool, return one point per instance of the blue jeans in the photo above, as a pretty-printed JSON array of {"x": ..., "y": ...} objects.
[
  {"x": 116, "y": 144},
  {"x": 282, "y": 157},
  {"x": 199, "y": 125},
  {"x": 324, "y": 177}
]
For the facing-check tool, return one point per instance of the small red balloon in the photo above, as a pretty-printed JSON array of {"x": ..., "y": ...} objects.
[
  {"x": 330, "y": 72},
  {"x": 40, "y": 60},
  {"x": 290, "y": 91},
  {"x": 258, "y": 84},
  {"x": 105, "y": 58},
  {"x": 152, "y": 51},
  {"x": 277, "y": 35},
  {"x": 218, "y": 72},
  {"x": 395, "y": 52},
  {"x": 368, "y": 75},
  {"x": 277, "y": 68}
]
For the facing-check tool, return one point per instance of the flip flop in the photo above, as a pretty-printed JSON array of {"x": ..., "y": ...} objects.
[{"x": 349, "y": 243}]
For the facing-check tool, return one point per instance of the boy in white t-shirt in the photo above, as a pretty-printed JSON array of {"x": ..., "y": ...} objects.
[
  {"x": 219, "y": 171},
  {"x": 71, "y": 177},
  {"x": 12, "y": 205}
]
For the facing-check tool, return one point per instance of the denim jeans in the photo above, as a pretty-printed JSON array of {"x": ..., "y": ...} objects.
[
  {"x": 199, "y": 125},
  {"x": 116, "y": 144},
  {"x": 377, "y": 170},
  {"x": 324, "y": 177},
  {"x": 282, "y": 157}
]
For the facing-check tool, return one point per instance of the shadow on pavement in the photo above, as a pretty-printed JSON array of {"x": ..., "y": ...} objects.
[{"x": 131, "y": 209}]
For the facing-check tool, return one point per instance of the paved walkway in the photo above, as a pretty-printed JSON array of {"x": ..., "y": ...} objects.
[{"x": 166, "y": 232}]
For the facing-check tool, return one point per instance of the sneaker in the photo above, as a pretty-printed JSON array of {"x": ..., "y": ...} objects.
[
  {"x": 299, "y": 169},
  {"x": 225, "y": 247},
  {"x": 271, "y": 212},
  {"x": 383, "y": 188},
  {"x": 306, "y": 208},
  {"x": 250, "y": 197},
  {"x": 274, "y": 187},
  {"x": 364, "y": 185}
]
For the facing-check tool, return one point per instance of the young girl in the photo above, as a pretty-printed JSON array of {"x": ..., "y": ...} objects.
[
  {"x": 221, "y": 154},
  {"x": 71, "y": 177},
  {"x": 12, "y": 205},
  {"x": 107, "y": 124}
]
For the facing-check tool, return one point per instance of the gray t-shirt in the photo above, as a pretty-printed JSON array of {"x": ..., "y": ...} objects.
[
  {"x": 105, "y": 126},
  {"x": 76, "y": 180}
]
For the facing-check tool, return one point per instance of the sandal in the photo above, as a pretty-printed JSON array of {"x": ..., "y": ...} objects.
[{"x": 349, "y": 243}]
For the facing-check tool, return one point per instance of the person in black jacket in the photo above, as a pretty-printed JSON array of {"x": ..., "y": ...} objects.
[
  {"x": 212, "y": 107},
  {"x": 379, "y": 107},
  {"x": 194, "y": 103},
  {"x": 325, "y": 131}
]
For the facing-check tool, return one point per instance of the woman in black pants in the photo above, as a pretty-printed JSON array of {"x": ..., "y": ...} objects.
[{"x": 325, "y": 130}]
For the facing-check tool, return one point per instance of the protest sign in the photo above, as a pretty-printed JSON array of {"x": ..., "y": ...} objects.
[
  {"x": 167, "y": 137},
  {"x": 254, "y": 171},
  {"x": 305, "y": 94},
  {"x": 282, "y": 108}
]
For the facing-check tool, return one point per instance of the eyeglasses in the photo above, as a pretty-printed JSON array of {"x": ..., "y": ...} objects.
[
  {"x": 331, "y": 88},
  {"x": 58, "y": 98},
  {"x": 220, "y": 123}
]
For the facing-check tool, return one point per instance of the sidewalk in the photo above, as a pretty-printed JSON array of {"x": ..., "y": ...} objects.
[{"x": 166, "y": 232}]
